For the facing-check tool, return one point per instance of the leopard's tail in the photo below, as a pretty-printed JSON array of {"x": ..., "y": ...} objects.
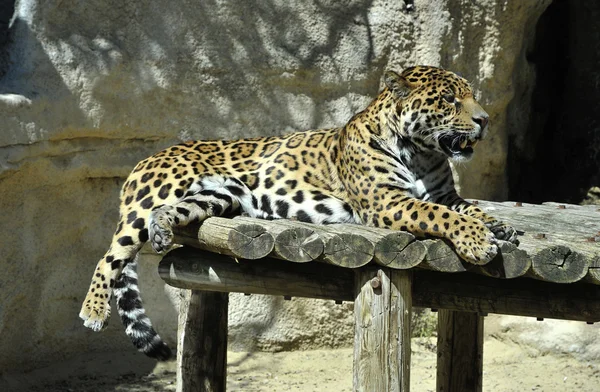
[{"x": 133, "y": 315}]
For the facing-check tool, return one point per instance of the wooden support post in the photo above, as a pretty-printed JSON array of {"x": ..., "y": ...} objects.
[
  {"x": 460, "y": 351},
  {"x": 202, "y": 342},
  {"x": 382, "y": 314}
]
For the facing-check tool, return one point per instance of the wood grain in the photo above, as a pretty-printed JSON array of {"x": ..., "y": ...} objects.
[
  {"x": 382, "y": 315},
  {"x": 202, "y": 270},
  {"x": 459, "y": 351},
  {"x": 202, "y": 342},
  {"x": 519, "y": 297},
  {"x": 227, "y": 236},
  {"x": 294, "y": 243},
  {"x": 394, "y": 249},
  {"x": 194, "y": 269},
  {"x": 548, "y": 226}
]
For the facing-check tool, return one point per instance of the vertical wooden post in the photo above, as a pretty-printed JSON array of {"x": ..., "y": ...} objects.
[
  {"x": 382, "y": 315},
  {"x": 460, "y": 351},
  {"x": 202, "y": 342}
]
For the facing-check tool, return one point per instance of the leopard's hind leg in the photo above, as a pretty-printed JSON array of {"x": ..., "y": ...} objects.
[
  {"x": 116, "y": 274},
  {"x": 126, "y": 243},
  {"x": 213, "y": 196}
]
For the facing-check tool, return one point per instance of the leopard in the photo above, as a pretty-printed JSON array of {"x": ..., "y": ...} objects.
[{"x": 388, "y": 167}]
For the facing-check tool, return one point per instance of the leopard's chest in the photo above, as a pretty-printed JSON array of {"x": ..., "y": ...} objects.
[{"x": 426, "y": 177}]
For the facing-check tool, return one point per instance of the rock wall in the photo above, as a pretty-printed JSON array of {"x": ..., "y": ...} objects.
[{"x": 89, "y": 88}]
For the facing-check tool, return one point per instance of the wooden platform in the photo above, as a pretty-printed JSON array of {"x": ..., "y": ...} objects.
[{"x": 553, "y": 273}]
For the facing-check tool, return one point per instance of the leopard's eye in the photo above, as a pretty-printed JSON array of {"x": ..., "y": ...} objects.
[{"x": 449, "y": 98}]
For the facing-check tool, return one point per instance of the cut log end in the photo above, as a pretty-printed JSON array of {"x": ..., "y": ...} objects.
[
  {"x": 593, "y": 274},
  {"x": 298, "y": 244},
  {"x": 442, "y": 257},
  {"x": 250, "y": 241},
  {"x": 511, "y": 262},
  {"x": 348, "y": 250},
  {"x": 399, "y": 251},
  {"x": 559, "y": 264}
]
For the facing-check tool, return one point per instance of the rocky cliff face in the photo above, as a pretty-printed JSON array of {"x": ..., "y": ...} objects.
[{"x": 89, "y": 88}]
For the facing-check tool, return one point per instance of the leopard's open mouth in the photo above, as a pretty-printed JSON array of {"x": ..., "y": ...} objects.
[{"x": 458, "y": 146}]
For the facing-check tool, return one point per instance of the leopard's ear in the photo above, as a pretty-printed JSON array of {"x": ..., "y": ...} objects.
[{"x": 397, "y": 84}]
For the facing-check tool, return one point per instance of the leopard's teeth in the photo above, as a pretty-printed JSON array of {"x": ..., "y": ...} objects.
[
  {"x": 474, "y": 143},
  {"x": 463, "y": 144}
]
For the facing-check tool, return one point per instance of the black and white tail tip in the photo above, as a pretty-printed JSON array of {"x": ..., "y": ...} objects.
[{"x": 137, "y": 324}]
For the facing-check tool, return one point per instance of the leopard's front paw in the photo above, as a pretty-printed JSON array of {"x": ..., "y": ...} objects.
[
  {"x": 160, "y": 232},
  {"x": 95, "y": 313},
  {"x": 476, "y": 245},
  {"x": 504, "y": 232}
]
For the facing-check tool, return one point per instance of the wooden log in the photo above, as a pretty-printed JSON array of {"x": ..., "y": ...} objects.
[
  {"x": 227, "y": 236},
  {"x": 382, "y": 314},
  {"x": 201, "y": 270},
  {"x": 547, "y": 226},
  {"x": 441, "y": 257},
  {"x": 345, "y": 249},
  {"x": 519, "y": 297},
  {"x": 459, "y": 351},
  {"x": 292, "y": 242},
  {"x": 593, "y": 274},
  {"x": 511, "y": 262},
  {"x": 202, "y": 342},
  {"x": 393, "y": 249},
  {"x": 559, "y": 264},
  {"x": 585, "y": 209},
  {"x": 298, "y": 244}
]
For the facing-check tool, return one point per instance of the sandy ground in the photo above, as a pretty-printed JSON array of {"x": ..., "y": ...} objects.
[{"x": 508, "y": 366}]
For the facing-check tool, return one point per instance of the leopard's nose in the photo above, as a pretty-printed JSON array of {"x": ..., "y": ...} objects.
[{"x": 481, "y": 121}]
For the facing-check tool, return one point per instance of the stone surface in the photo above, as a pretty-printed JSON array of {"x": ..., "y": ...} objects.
[
  {"x": 89, "y": 88},
  {"x": 548, "y": 336}
]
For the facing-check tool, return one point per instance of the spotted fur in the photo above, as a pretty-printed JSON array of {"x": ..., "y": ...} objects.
[{"x": 387, "y": 167}]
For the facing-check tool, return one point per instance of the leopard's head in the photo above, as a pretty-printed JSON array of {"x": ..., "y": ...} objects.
[{"x": 435, "y": 110}]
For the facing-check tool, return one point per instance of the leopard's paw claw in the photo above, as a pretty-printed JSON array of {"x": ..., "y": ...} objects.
[{"x": 504, "y": 232}]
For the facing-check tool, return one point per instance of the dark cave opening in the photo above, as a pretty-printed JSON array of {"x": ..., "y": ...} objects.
[
  {"x": 7, "y": 9},
  {"x": 558, "y": 157}
]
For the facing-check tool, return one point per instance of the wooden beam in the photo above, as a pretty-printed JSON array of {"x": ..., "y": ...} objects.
[
  {"x": 559, "y": 264},
  {"x": 382, "y": 315},
  {"x": 202, "y": 270},
  {"x": 459, "y": 351},
  {"x": 202, "y": 342},
  {"x": 194, "y": 269},
  {"x": 519, "y": 297}
]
